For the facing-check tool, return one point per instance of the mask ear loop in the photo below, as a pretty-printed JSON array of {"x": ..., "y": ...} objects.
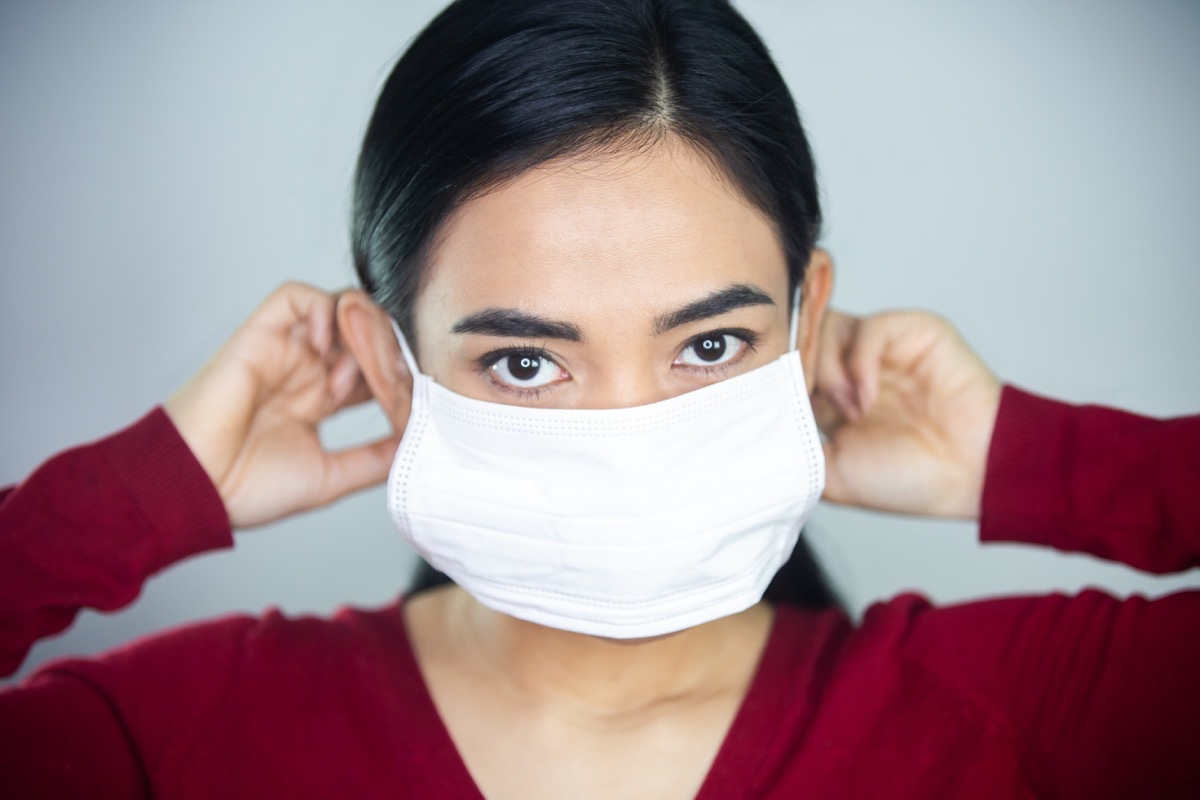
[
  {"x": 794, "y": 325},
  {"x": 409, "y": 358}
]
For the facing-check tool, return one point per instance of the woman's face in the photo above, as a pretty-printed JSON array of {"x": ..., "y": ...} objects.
[{"x": 601, "y": 283}]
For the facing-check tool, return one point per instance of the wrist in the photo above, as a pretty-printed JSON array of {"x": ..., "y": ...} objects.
[{"x": 170, "y": 488}]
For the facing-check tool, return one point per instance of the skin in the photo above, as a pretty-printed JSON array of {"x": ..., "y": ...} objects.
[{"x": 609, "y": 245}]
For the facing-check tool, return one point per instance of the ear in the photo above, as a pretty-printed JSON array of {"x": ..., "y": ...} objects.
[
  {"x": 815, "y": 294},
  {"x": 366, "y": 331}
]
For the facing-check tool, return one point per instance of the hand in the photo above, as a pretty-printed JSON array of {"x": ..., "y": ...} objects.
[
  {"x": 250, "y": 415},
  {"x": 908, "y": 410}
]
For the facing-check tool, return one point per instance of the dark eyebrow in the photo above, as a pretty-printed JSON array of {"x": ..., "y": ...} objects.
[
  {"x": 517, "y": 324},
  {"x": 715, "y": 304}
]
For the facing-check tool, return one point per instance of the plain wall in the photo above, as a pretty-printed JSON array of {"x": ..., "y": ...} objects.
[{"x": 1027, "y": 169}]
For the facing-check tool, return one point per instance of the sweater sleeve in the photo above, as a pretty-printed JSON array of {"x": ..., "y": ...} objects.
[
  {"x": 90, "y": 525},
  {"x": 1094, "y": 480},
  {"x": 1098, "y": 693}
]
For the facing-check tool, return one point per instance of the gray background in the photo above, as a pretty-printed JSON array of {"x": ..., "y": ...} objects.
[{"x": 1027, "y": 169}]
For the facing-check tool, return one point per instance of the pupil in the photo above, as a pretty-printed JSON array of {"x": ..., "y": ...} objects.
[
  {"x": 711, "y": 348},
  {"x": 524, "y": 368}
]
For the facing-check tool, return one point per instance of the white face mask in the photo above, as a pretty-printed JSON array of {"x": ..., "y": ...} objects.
[{"x": 623, "y": 522}]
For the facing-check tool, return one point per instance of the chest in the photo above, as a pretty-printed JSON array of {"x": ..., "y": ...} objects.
[
  {"x": 927, "y": 749},
  {"x": 364, "y": 726},
  {"x": 661, "y": 754},
  {"x": 899, "y": 735}
]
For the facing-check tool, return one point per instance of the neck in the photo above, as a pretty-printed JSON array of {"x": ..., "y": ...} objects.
[{"x": 607, "y": 677}]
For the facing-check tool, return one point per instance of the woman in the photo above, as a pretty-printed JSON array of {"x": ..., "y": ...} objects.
[{"x": 582, "y": 218}]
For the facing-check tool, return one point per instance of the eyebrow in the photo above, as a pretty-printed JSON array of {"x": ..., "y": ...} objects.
[
  {"x": 513, "y": 323},
  {"x": 517, "y": 324},
  {"x": 719, "y": 302}
]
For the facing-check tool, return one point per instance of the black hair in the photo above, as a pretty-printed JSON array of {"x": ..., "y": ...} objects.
[{"x": 492, "y": 88}]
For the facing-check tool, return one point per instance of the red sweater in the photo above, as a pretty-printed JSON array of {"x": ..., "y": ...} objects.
[{"x": 1084, "y": 696}]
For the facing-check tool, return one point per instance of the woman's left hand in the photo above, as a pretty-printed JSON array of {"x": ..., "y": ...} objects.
[{"x": 908, "y": 409}]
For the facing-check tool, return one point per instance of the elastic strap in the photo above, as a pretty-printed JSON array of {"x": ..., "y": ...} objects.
[
  {"x": 794, "y": 326},
  {"x": 409, "y": 358}
]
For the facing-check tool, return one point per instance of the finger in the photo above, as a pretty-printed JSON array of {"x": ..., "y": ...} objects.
[
  {"x": 830, "y": 366},
  {"x": 358, "y": 468},
  {"x": 319, "y": 318},
  {"x": 841, "y": 324},
  {"x": 827, "y": 413},
  {"x": 832, "y": 378},
  {"x": 298, "y": 304},
  {"x": 358, "y": 394},
  {"x": 865, "y": 359},
  {"x": 335, "y": 334},
  {"x": 343, "y": 376}
]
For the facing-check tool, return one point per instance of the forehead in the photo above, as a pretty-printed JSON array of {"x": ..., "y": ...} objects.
[{"x": 652, "y": 228}]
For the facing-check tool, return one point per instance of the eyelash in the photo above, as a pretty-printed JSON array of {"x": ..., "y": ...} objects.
[
  {"x": 485, "y": 362},
  {"x": 749, "y": 340},
  {"x": 488, "y": 360}
]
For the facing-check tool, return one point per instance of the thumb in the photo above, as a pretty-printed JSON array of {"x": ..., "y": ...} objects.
[{"x": 357, "y": 468}]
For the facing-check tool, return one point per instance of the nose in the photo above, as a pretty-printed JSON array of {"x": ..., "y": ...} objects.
[{"x": 625, "y": 389}]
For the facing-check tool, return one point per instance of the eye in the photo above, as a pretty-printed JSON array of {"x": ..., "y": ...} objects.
[
  {"x": 525, "y": 370},
  {"x": 712, "y": 350}
]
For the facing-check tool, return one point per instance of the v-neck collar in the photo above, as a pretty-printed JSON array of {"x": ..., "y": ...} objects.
[
  {"x": 774, "y": 712},
  {"x": 739, "y": 767}
]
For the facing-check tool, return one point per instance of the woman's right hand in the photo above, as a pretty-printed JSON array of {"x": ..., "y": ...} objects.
[{"x": 250, "y": 415}]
